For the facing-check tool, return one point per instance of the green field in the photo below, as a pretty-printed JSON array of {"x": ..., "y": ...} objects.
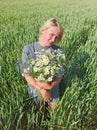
[{"x": 20, "y": 21}]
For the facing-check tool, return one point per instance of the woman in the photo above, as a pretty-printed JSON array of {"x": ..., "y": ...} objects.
[{"x": 50, "y": 34}]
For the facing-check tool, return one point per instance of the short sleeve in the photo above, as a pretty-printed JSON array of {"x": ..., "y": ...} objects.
[{"x": 25, "y": 54}]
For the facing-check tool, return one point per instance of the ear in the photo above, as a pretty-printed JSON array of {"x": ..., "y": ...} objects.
[{"x": 42, "y": 31}]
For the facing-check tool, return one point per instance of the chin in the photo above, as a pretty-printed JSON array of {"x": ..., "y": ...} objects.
[{"x": 50, "y": 44}]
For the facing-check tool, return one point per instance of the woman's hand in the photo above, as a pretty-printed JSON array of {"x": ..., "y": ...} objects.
[
  {"x": 47, "y": 86},
  {"x": 44, "y": 85},
  {"x": 45, "y": 94}
]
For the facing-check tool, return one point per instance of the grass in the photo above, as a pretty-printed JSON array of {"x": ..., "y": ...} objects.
[{"x": 20, "y": 22}]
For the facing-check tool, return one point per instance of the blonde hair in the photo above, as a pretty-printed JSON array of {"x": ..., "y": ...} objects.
[{"x": 52, "y": 22}]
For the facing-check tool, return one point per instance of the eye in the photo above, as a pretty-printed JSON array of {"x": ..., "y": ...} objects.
[
  {"x": 56, "y": 37},
  {"x": 51, "y": 34}
]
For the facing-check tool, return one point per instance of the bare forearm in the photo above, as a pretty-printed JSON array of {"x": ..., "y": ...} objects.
[
  {"x": 30, "y": 80},
  {"x": 40, "y": 85},
  {"x": 49, "y": 86},
  {"x": 55, "y": 82}
]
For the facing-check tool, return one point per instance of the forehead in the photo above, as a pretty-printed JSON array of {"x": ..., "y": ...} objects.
[{"x": 55, "y": 30}]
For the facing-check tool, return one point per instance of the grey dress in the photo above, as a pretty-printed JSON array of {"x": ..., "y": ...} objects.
[{"x": 29, "y": 51}]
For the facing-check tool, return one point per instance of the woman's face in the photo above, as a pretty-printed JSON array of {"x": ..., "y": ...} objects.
[{"x": 50, "y": 36}]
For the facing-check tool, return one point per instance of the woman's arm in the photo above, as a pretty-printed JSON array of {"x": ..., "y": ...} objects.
[
  {"x": 38, "y": 84},
  {"x": 32, "y": 81},
  {"x": 49, "y": 86}
]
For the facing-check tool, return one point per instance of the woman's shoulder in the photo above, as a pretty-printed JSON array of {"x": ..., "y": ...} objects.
[{"x": 29, "y": 46}]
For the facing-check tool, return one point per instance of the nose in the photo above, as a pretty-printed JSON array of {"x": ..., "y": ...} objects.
[{"x": 53, "y": 39}]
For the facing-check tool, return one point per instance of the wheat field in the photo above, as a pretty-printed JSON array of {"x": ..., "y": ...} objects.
[{"x": 20, "y": 21}]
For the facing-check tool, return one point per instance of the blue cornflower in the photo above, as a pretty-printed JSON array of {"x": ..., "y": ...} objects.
[
  {"x": 62, "y": 70},
  {"x": 17, "y": 64},
  {"x": 21, "y": 72}
]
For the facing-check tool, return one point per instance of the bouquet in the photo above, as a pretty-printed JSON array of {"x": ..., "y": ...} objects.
[{"x": 47, "y": 65}]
